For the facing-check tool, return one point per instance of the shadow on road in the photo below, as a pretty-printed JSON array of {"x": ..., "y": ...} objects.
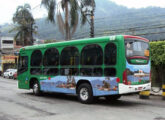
[{"x": 49, "y": 97}]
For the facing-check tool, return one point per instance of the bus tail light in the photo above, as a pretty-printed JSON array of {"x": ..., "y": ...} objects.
[
  {"x": 117, "y": 80},
  {"x": 125, "y": 77},
  {"x": 150, "y": 75}
]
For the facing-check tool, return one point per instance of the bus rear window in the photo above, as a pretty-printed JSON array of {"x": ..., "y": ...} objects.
[
  {"x": 136, "y": 48},
  {"x": 137, "y": 51}
]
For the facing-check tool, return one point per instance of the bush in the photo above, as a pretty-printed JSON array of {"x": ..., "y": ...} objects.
[{"x": 157, "y": 50}]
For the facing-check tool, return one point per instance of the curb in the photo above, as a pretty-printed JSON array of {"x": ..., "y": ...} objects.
[{"x": 156, "y": 94}]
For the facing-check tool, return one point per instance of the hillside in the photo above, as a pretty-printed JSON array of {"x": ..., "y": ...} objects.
[{"x": 110, "y": 19}]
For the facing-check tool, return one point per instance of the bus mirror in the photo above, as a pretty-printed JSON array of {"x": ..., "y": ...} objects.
[{"x": 146, "y": 52}]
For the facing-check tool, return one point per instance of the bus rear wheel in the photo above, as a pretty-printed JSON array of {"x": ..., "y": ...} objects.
[
  {"x": 112, "y": 97},
  {"x": 85, "y": 93},
  {"x": 36, "y": 89}
]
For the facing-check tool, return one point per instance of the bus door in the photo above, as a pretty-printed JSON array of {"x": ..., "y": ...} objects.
[{"x": 22, "y": 71}]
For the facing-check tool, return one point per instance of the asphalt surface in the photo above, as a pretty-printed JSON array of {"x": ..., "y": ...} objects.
[{"x": 17, "y": 104}]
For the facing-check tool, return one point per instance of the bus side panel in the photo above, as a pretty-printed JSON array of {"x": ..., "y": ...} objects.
[
  {"x": 67, "y": 84},
  {"x": 23, "y": 77},
  {"x": 23, "y": 81},
  {"x": 138, "y": 74},
  {"x": 103, "y": 86},
  {"x": 61, "y": 84}
]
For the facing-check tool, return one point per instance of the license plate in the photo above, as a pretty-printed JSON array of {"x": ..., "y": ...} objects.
[{"x": 140, "y": 88}]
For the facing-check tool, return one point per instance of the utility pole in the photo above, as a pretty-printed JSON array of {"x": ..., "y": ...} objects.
[
  {"x": 92, "y": 32},
  {"x": 31, "y": 32}
]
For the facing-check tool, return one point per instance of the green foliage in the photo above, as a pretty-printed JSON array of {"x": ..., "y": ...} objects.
[
  {"x": 50, "y": 41},
  {"x": 157, "y": 62},
  {"x": 67, "y": 14},
  {"x": 24, "y": 22},
  {"x": 157, "y": 53}
]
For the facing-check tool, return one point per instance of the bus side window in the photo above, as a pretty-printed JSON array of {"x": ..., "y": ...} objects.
[
  {"x": 91, "y": 55},
  {"x": 86, "y": 72},
  {"x": 69, "y": 56},
  {"x": 51, "y": 62},
  {"x": 110, "y": 72},
  {"x": 23, "y": 64},
  {"x": 110, "y": 54},
  {"x": 36, "y": 62},
  {"x": 69, "y": 71}
]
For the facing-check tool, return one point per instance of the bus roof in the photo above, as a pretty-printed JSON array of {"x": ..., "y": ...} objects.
[
  {"x": 72, "y": 42},
  {"x": 81, "y": 41}
]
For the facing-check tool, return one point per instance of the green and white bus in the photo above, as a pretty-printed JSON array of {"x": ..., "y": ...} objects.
[{"x": 106, "y": 66}]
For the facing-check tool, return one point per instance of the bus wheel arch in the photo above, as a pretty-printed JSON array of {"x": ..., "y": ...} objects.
[
  {"x": 34, "y": 85},
  {"x": 84, "y": 91}
]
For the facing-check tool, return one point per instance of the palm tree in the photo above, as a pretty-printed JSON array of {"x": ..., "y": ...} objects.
[
  {"x": 88, "y": 7},
  {"x": 68, "y": 22},
  {"x": 24, "y": 25}
]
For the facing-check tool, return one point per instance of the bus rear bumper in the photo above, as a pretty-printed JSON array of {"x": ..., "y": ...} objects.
[{"x": 123, "y": 89}]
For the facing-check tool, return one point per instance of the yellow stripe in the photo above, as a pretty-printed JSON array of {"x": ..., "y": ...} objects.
[
  {"x": 145, "y": 93},
  {"x": 163, "y": 94},
  {"x": 163, "y": 86}
]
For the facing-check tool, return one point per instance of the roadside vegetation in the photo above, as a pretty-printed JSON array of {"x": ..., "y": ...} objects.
[{"x": 157, "y": 63}]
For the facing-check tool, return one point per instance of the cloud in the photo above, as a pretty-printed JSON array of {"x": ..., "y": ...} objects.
[
  {"x": 140, "y": 3},
  {"x": 8, "y": 8}
]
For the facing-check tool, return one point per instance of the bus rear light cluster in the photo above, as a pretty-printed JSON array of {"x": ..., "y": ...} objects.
[
  {"x": 150, "y": 75},
  {"x": 117, "y": 80},
  {"x": 125, "y": 77}
]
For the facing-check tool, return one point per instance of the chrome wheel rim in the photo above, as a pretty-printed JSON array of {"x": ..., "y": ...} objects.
[
  {"x": 84, "y": 94},
  {"x": 35, "y": 88}
]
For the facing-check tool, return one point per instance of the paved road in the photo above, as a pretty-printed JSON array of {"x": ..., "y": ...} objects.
[{"x": 16, "y": 104}]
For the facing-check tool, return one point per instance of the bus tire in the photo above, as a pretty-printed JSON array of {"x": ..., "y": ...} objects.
[
  {"x": 85, "y": 93},
  {"x": 36, "y": 89},
  {"x": 112, "y": 97}
]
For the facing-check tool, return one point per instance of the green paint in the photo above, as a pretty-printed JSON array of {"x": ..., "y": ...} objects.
[
  {"x": 138, "y": 61},
  {"x": 79, "y": 44}
]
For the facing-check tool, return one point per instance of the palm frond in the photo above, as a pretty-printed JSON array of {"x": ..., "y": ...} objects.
[
  {"x": 16, "y": 28},
  {"x": 75, "y": 25},
  {"x": 83, "y": 18},
  {"x": 73, "y": 12},
  {"x": 27, "y": 6},
  {"x": 17, "y": 35},
  {"x": 63, "y": 4},
  {"x": 50, "y": 6},
  {"x": 61, "y": 24}
]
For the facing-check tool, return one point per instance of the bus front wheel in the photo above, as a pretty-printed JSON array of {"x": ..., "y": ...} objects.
[
  {"x": 36, "y": 89},
  {"x": 85, "y": 94}
]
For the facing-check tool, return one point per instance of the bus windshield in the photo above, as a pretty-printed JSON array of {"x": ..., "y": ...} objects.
[{"x": 136, "y": 47}]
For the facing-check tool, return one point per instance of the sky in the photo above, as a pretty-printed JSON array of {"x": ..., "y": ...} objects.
[
  {"x": 140, "y": 3},
  {"x": 8, "y": 7}
]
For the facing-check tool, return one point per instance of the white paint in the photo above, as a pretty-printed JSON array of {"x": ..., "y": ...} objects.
[
  {"x": 112, "y": 38},
  {"x": 8, "y": 8},
  {"x": 140, "y": 3},
  {"x": 133, "y": 88}
]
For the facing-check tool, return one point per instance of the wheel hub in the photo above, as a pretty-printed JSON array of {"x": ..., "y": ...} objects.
[
  {"x": 35, "y": 88},
  {"x": 84, "y": 94}
]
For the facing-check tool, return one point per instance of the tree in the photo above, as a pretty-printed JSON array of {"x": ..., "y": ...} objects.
[
  {"x": 24, "y": 25},
  {"x": 88, "y": 7},
  {"x": 68, "y": 22}
]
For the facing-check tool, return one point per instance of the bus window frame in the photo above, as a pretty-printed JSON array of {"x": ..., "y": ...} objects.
[
  {"x": 25, "y": 68},
  {"x": 136, "y": 57}
]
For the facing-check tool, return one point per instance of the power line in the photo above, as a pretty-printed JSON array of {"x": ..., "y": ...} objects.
[
  {"x": 35, "y": 7},
  {"x": 132, "y": 28}
]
